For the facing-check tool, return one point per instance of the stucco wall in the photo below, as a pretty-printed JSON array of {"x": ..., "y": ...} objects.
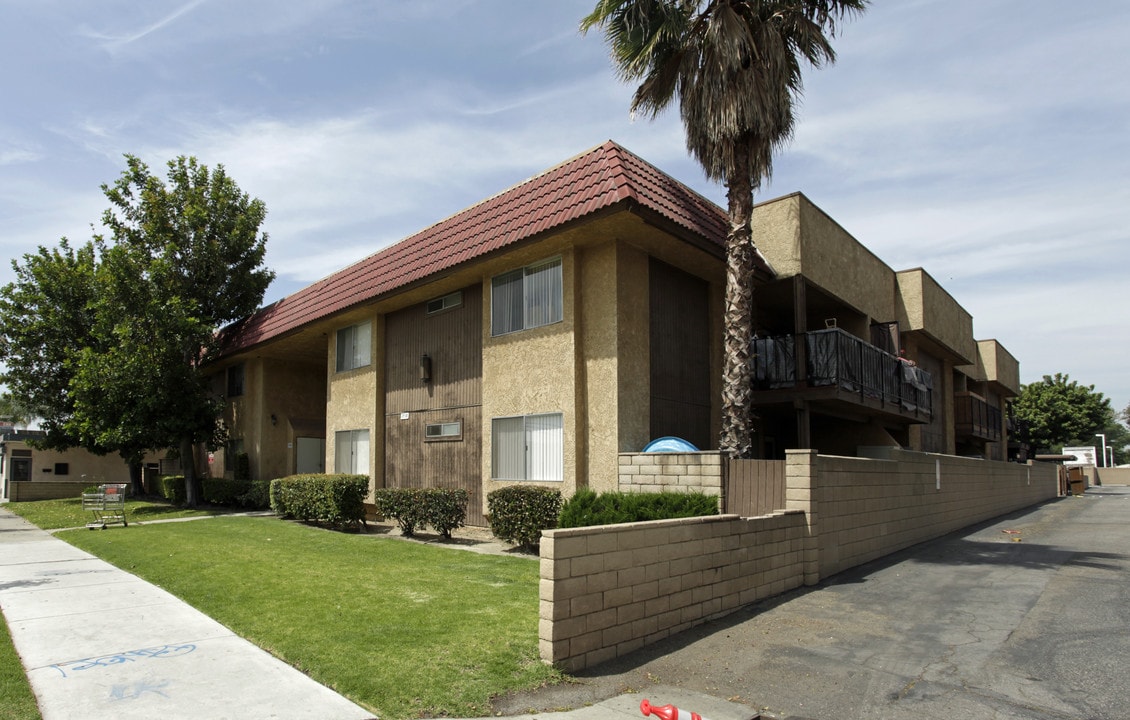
[
  {"x": 355, "y": 399},
  {"x": 633, "y": 363},
  {"x": 926, "y": 307},
  {"x": 598, "y": 322},
  {"x": 295, "y": 395},
  {"x": 834, "y": 260},
  {"x": 996, "y": 364},
  {"x": 533, "y": 371},
  {"x": 83, "y": 469}
]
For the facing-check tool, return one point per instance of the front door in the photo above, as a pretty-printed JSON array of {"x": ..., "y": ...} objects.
[{"x": 311, "y": 456}]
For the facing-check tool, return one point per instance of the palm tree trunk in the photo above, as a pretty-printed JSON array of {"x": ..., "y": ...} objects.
[{"x": 737, "y": 374}]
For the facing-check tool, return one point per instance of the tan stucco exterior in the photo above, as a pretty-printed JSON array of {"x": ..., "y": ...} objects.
[
  {"x": 798, "y": 238},
  {"x": 355, "y": 398},
  {"x": 927, "y": 308},
  {"x": 594, "y": 366},
  {"x": 995, "y": 364}
]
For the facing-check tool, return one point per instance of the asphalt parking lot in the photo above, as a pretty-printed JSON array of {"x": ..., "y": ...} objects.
[{"x": 1027, "y": 616}]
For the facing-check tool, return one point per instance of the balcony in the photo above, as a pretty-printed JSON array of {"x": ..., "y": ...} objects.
[
  {"x": 842, "y": 369},
  {"x": 975, "y": 418}
]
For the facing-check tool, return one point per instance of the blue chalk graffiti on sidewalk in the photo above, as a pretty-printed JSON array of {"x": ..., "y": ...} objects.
[{"x": 164, "y": 651}]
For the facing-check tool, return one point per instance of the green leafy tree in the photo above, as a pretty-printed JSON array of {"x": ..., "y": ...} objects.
[
  {"x": 45, "y": 315},
  {"x": 1057, "y": 411},
  {"x": 735, "y": 68},
  {"x": 183, "y": 258},
  {"x": 14, "y": 411}
]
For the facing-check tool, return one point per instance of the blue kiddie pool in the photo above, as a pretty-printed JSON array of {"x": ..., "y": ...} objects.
[{"x": 669, "y": 444}]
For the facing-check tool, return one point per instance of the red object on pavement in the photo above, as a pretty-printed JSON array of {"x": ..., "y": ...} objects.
[{"x": 667, "y": 712}]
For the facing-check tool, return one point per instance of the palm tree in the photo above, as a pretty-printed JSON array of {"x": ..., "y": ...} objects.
[{"x": 735, "y": 67}]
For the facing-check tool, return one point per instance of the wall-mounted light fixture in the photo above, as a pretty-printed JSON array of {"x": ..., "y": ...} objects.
[
  {"x": 425, "y": 368},
  {"x": 274, "y": 419}
]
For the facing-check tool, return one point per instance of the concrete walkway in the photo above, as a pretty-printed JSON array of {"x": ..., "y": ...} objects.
[{"x": 98, "y": 642}]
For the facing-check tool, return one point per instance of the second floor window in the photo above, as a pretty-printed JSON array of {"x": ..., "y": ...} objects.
[
  {"x": 235, "y": 380},
  {"x": 526, "y": 298},
  {"x": 354, "y": 346}
]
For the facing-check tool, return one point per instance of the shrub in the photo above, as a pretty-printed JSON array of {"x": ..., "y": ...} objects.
[
  {"x": 586, "y": 508},
  {"x": 332, "y": 499},
  {"x": 518, "y": 514},
  {"x": 404, "y": 505},
  {"x": 220, "y": 491},
  {"x": 444, "y": 509},
  {"x": 171, "y": 487},
  {"x": 256, "y": 495}
]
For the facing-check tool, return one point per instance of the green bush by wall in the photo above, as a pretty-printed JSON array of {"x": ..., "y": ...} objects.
[
  {"x": 445, "y": 509},
  {"x": 586, "y": 508},
  {"x": 518, "y": 513},
  {"x": 332, "y": 499}
]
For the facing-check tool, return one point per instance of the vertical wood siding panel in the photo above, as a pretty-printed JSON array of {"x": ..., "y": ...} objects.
[
  {"x": 680, "y": 354},
  {"x": 453, "y": 341}
]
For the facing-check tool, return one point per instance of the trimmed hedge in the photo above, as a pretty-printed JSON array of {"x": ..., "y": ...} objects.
[
  {"x": 331, "y": 499},
  {"x": 518, "y": 513},
  {"x": 170, "y": 487},
  {"x": 586, "y": 508},
  {"x": 257, "y": 495},
  {"x": 237, "y": 493},
  {"x": 445, "y": 509},
  {"x": 220, "y": 491}
]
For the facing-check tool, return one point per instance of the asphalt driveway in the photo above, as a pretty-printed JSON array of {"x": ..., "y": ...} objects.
[{"x": 1024, "y": 617}]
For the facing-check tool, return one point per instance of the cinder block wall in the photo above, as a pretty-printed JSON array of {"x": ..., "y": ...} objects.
[
  {"x": 1107, "y": 476},
  {"x": 611, "y": 589},
  {"x": 679, "y": 472},
  {"x": 865, "y": 508},
  {"x": 47, "y": 489}
]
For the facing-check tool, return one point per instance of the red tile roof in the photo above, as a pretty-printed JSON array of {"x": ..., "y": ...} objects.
[{"x": 595, "y": 180}]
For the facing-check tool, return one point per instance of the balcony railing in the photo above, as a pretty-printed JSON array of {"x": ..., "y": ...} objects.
[
  {"x": 973, "y": 417},
  {"x": 837, "y": 359}
]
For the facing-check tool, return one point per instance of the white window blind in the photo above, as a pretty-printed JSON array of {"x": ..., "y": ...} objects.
[
  {"x": 354, "y": 346},
  {"x": 527, "y": 298},
  {"x": 529, "y": 447},
  {"x": 544, "y": 454},
  {"x": 351, "y": 452}
]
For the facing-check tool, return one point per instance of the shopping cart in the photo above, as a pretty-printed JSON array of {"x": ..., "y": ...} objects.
[{"x": 108, "y": 505}]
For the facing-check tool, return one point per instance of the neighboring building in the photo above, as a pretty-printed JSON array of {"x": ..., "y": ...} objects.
[
  {"x": 538, "y": 334},
  {"x": 27, "y": 473}
]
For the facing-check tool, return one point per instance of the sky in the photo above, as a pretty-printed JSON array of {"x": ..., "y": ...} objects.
[{"x": 987, "y": 141}]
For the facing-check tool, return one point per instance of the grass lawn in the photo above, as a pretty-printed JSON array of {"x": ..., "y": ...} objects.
[
  {"x": 16, "y": 699},
  {"x": 67, "y": 513},
  {"x": 406, "y": 630}
]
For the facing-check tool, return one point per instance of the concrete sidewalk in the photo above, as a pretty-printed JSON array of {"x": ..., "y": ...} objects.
[{"x": 98, "y": 642}]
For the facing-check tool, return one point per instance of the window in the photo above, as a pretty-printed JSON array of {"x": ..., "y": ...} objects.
[
  {"x": 354, "y": 346},
  {"x": 443, "y": 431},
  {"x": 526, "y": 298},
  {"x": 351, "y": 452},
  {"x": 62, "y": 468},
  {"x": 446, "y": 302},
  {"x": 235, "y": 380},
  {"x": 528, "y": 447}
]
